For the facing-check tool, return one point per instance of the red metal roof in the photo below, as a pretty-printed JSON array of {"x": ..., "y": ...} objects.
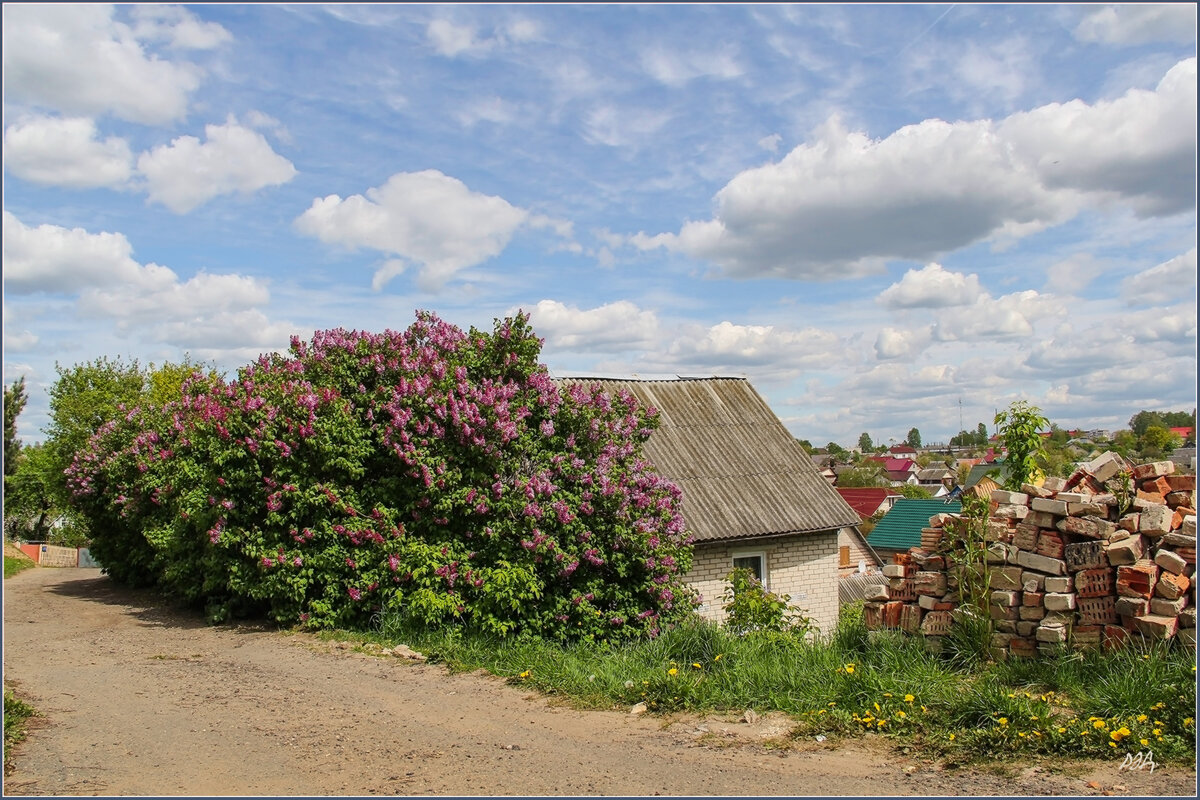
[{"x": 865, "y": 501}]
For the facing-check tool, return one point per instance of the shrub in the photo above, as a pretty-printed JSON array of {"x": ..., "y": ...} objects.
[
  {"x": 433, "y": 474},
  {"x": 750, "y": 607}
]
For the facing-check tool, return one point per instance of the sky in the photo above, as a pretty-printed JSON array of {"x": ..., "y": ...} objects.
[{"x": 884, "y": 216}]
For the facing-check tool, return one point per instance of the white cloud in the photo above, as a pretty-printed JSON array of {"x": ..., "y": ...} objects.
[
  {"x": 1166, "y": 283},
  {"x": 197, "y": 297},
  {"x": 610, "y": 328},
  {"x": 426, "y": 218},
  {"x": 450, "y": 39},
  {"x": 50, "y": 258},
  {"x": 770, "y": 143},
  {"x": 1073, "y": 274},
  {"x": 843, "y": 204},
  {"x": 492, "y": 109},
  {"x": 676, "y": 68},
  {"x": 187, "y": 174},
  {"x": 1140, "y": 148},
  {"x": 1010, "y": 316},
  {"x": 77, "y": 59},
  {"x": 893, "y": 343},
  {"x": 178, "y": 27},
  {"x": 65, "y": 152},
  {"x": 932, "y": 287},
  {"x": 622, "y": 127},
  {"x": 766, "y": 349},
  {"x": 1139, "y": 24}
]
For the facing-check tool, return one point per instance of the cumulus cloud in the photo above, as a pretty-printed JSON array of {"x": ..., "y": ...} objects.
[
  {"x": 50, "y": 258},
  {"x": 1166, "y": 283},
  {"x": 188, "y": 173},
  {"x": 1129, "y": 340},
  {"x": 65, "y": 152},
  {"x": 450, "y": 39},
  {"x": 610, "y": 328},
  {"x": 842, "y": 204},
  {"x": 424, "y": 218},
  {"x": 1139, "y": 148},
  {"x": 891, "y": 343},
  {"x": 78, "y": 59},
  {"x": 1009, "y": 316},
  {"x": 208, "y": 313},
  {"x": 770, "y": 143},
  {"x": 932, "y": 287},
  {"x": 1139, "y": 24},
  {"x": 766, "y": 350}
]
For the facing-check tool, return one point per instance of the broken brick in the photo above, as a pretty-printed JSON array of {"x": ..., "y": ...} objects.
[{"x": 1137, "y": 580}]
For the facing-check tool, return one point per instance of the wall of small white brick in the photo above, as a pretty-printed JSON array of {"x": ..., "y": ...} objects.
[
  {"x": 804, "y": 566},
  {"x": 858, "y": 552}
]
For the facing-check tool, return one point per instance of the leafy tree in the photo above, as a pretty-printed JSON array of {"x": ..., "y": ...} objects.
[
  {"x": 1157, "y": 440},
  {"x": 914, "y": 492},
  {"x": 29, "y": 505},
  {"x": 864, "y": 443},
  {"x": 866, "y": 474},
  {"x": 1020, "y": 431},
  {"x": 835, "y": 449},
  {"x": 806, "y": 444},
  {"x": 913, "y": 439},
  {"x": 981, "y": 435},
  {"x": 14, "y": 403},
  {"x": 164, "y": 384},
  {"x": 1140, "y": 422}
]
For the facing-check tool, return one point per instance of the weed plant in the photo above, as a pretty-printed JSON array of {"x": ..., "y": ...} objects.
[
  {"x": 854, "y": 681},
  {"x": 16, "y": 713}
]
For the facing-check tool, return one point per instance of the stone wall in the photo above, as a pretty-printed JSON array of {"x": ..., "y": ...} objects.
[{"x": 1083, "y": 562}]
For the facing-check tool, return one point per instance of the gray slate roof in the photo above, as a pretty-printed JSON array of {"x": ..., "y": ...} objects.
[{"x": 742, "y": 472}]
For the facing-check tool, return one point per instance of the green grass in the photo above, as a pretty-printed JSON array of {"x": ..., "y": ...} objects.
[
  {"x": 961, "y": 709},
  {"x": 16, "y": 713},
  {"x": 14, "y": 565}
]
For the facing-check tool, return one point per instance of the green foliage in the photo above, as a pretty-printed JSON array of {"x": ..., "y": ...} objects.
[
  {"x": 749, "y": 607},
  {"x": 1020, "y": 431},
  {"x": 914, "y": 438},
  {"x": 866, "y": 474},
  {"x": 16, "y": 714},
  {"x": 435, "y": 475},
  {"x": 29, "y": 497},
  {"x": 864, "y": 442},
  {"x": 14, "y": 403},
  {"x": 914, "y": 492},
  {"x": 1157, "y": 441},
  {"x": 164, "y": 383},
  {"x": 835, "y": 449},
  {"x": 14, "y": 565},
  {"x": 806, "y": 444}
]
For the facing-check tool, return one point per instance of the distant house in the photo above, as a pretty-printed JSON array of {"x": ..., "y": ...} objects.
[
  {"x": 938, "y": 480},
  {"x": 823, "y": 463},
  {"x": 899, "y": 470},
  {"x": 903, "y": 451},
  {"x": 752, "y": 497},
  {"x": 901, "y": 527},
  {"x": 1186, "y": 434},
  {"x": 868, "y": 501}
]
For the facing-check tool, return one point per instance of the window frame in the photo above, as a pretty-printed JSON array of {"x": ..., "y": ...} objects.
[{"x": 761, "y": 555}]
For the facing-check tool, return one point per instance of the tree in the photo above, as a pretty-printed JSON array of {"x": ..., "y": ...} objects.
[
  {"x": 981, "y": 435},
  {"x": 835, "y": 449},
  {"x": 1020, "y": 431},
  {"x": 164, "y": 384},
  {"x": 1157, "y": 440},
  {"x": 1143, "y": 420},
  {"x": 84, "y": 397},
  {"x": 913, "y": 492},
  {"x": 866, "y": 474},
  {"x": 29, "y": 506},
  {"x": 913, "y": 439},
  {"x": 14, "y": 403},
  {"x": 806, "y": 444},
  {"x": 864, "y": 443}
]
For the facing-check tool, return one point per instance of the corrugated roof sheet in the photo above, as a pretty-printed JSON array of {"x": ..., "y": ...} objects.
[
  {"x": 742, "y": 472},
  {"x": 864, "y": 500},
  {"x": 900, "y": 528}
]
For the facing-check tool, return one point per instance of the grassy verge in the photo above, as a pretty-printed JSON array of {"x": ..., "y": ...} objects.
[
  {"x": 1073, "y": 705},
  {"x": 13, "y": 565},
  {"x": 15, "y": 715}
]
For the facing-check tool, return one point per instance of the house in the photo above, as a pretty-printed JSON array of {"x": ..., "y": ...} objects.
[
  {"x": 983, "y": 479},
  {"x": 938, "y": 480},
  {"x": 903, "y": 451},
  {"x": 901, "y": 527},
  {"x": 899, "y": 470},
  {"x": 823, "y": 463},
  {"x": 751, "y": 495},
  {"x": 869, "y": 501}
]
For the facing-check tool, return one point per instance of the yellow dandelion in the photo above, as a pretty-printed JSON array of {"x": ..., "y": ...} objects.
[
  {"x": 1098, "y": 724},
  {"x": 882, "y": 722},
  {"x": 1142, "y": 718},
  {"x": 832, "y": 704},
  {"x": 887, "y": 694},
  {"x": 672, "y": 671},
  {"x": 1144, "y": 742},
  {"x": 718, "y": 658},
  {"x": 1188, "y": 720},
  {"x": 1062, "y": 730},
  {"x": 697, "y": 666},
  {"x": 1157, "y": 732},
  {"x": 526, "y": 674},
  {"x": 1021, "y": 734},
  {"x": 952, "y": 737},
  {"x": 1034, "y": 718},
  {"x": 901, "y": 714},
  {"x": 908, "y": 698},
  {"x": 1004, "y": 720},
  {"x": 923, "y": 708},
  {"x": 849, "y": 669},
  {"x": 1112, "y": 744},
  {"x": 877, "y": 708}
]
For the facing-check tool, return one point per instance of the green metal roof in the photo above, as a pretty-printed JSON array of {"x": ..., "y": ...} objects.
[{"x": 900, "y": 528}]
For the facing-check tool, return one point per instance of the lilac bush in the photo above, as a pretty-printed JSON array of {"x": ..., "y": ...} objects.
[{"x": 434, "y": 474}]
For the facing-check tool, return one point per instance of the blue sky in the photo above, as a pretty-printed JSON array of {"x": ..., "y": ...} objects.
[{"x": 874, "y": 212}]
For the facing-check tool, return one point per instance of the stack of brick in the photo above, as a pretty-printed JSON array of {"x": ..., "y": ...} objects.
[{"x": 1084, "y": 561}]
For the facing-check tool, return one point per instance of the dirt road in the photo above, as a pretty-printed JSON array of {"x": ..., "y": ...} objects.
[{"x": 140, "y": 699}]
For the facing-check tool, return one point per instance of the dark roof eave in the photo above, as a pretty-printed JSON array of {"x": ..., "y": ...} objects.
[{"x": 754, "y": 537}]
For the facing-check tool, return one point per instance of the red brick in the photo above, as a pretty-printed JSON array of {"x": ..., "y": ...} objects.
[
  {"x": 1025, "y": 648},
  {"x": 1157, "y": 485},
  {"x": 891, "y": 614},
  {"x": 1085, "y": 555},
  {"x": 1026, "y": 537},
  {"x": 937, "y": 623},
  {"x": 1137, "y": 580},
  {"x": 1181, "y": 483},
  {"x": 910, "y": 618},
  {"x": 1156, "y": 627},
  {"x": 1031, "y": 599},
  {"x": 902, "y": 590},
  {"x": 1188, "y": 554},
  {"x": 1050, "y": 544},
  {"x": 873, "y": 616},
  {"x": 1172, "y": 586},
  {"x": 1094, "y": 582},
  {"x": 1115, "y": 637},
  {"x": 1151, "y": 497},
  {"x": 1097, "y": 610}
]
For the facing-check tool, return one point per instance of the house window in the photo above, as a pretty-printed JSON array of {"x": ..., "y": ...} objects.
[{"x": 756, "y": 562}]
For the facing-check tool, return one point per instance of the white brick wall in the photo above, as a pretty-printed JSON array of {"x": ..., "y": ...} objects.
[
  {"x": 858, "y": 552},
  {"x": 804, "y": 566}
]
